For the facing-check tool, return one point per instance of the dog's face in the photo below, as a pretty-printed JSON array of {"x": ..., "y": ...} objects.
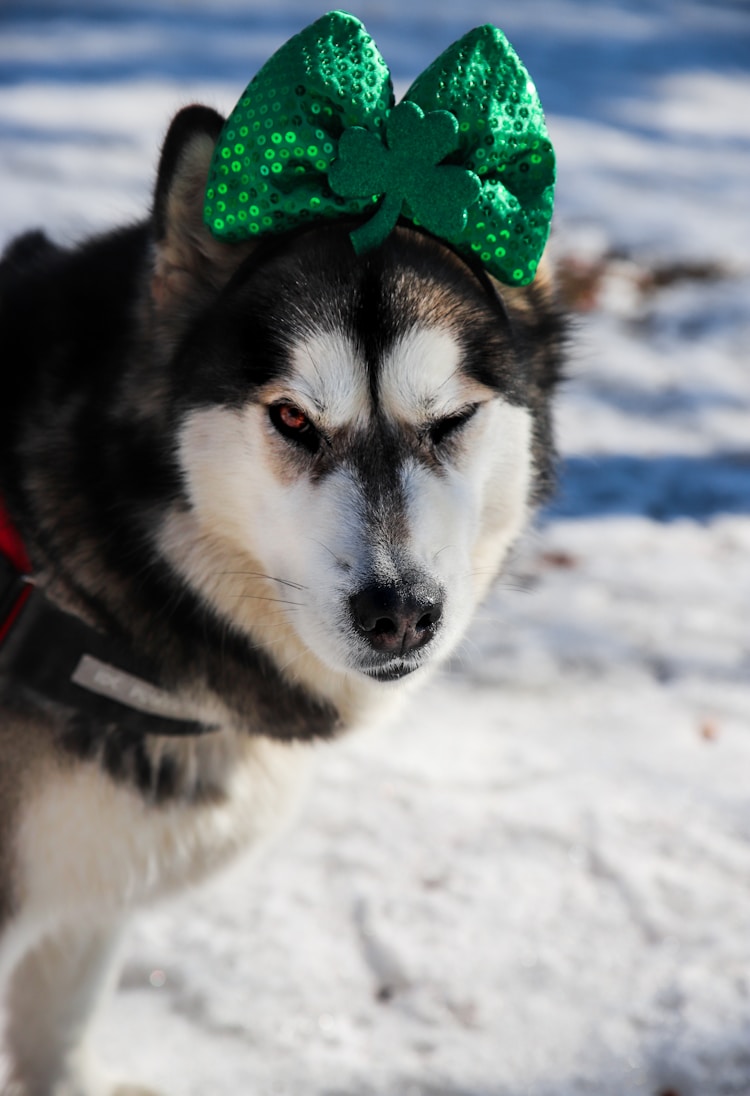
[
  {"x": 356, "y": 426},
  {"x": 357, "y": 433}
]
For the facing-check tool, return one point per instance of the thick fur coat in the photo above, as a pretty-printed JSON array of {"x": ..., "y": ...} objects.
[{"x": 284, "y": 475}]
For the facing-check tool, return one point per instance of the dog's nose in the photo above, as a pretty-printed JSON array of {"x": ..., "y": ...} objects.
[{"x": 396, "y": 619}]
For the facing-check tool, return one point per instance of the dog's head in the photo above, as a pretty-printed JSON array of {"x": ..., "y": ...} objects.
[{"x": 360, "y": 438}]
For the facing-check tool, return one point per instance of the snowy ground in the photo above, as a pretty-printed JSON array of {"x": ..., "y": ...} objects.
[{"x": 538, "y": 882}]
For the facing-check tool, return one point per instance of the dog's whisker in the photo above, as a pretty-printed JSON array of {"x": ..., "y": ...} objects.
[
  {"x": 271, "y": 578},
  {"x": 291, "y": 661},
  {"x": 260, "y": 597},
  {"x": 278, "y": 619},
  {"x": 451, "y": 377},
  {"x": 322, "y": 544}
]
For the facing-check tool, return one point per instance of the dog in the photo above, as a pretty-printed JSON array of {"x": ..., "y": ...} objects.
[{"x": 261, "y": 487}]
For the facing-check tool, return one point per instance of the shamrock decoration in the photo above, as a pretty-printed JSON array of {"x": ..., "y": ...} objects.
[{"x": 405, "y": 168}]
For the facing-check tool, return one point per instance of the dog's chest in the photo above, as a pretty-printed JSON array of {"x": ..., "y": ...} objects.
[{"x": 86, "y": 843}]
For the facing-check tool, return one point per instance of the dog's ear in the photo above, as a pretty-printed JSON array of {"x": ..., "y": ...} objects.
[{"x": 190, "y": 264}]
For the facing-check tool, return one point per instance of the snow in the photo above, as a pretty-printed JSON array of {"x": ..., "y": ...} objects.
[{"x": 537, "y": 881}]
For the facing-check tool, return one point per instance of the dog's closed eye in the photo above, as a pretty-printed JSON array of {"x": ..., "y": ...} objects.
[{"x": 441, "y": 430}]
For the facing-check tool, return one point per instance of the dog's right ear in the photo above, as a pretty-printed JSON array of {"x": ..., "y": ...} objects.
[{"x": 190, "y": 264}]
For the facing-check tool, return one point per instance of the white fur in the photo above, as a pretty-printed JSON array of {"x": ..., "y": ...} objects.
[
  {"x": 135, "y": 853},
  {"x": 421, "y": 377},
  {"x": 329, "y": 379}
]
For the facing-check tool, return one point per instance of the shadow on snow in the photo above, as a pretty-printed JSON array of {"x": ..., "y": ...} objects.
[{"x": 661, "y": 488}]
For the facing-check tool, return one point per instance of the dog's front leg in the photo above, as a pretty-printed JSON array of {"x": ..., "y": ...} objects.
[{"x": 52, "y": 996}]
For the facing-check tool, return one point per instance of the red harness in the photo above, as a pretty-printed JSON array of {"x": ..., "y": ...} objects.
[{"x": 16, "y": 587}]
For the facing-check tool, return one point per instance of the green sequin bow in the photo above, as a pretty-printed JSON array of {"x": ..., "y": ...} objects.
[{"x": 316, "y": 134}]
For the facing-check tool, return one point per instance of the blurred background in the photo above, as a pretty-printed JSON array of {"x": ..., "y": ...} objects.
[{"x": 538, "y": 881}]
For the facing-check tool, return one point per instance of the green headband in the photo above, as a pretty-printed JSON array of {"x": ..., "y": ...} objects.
[{"x": 317, "y": 135}]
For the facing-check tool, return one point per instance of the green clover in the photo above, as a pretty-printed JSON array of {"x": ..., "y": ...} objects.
[{"x": 405, "y": 170}]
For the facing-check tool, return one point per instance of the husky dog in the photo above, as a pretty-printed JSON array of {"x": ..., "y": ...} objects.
[{"x": 262, "y": 488}]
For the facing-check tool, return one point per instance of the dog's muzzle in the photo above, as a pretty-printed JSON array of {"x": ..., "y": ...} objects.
[{"x": 396, "y": 620}]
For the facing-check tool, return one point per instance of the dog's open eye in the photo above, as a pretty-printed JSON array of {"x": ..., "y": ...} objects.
[
  {"x": 292, "y": 422},
  {"x": 443, "y": 429}
]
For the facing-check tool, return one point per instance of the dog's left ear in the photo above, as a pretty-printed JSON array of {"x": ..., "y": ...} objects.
[{"x": 190, "y": 265}]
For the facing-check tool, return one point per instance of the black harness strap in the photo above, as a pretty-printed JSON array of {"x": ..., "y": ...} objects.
[{"x": 61, "y": 659}]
